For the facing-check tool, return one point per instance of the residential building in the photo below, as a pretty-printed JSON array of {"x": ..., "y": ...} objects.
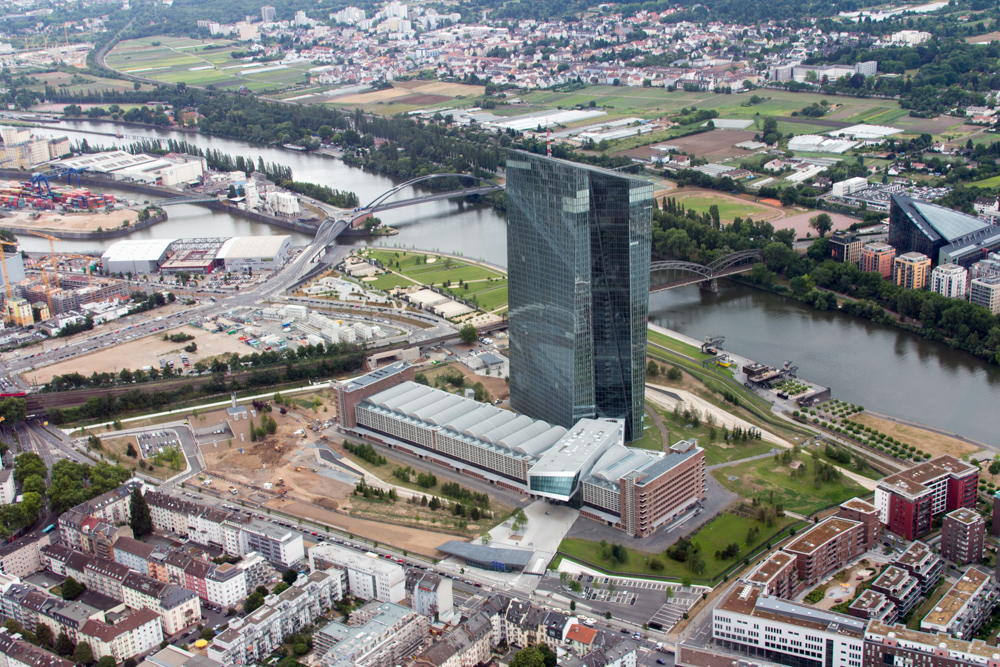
[
  {"x": 963, "y": 533},
  {"x": 430, "y": 594},
  {"x": 467, "y": 645},
  {"x": 368, "y": 577},
  {"x": 7, "y": 490},
  {"x": 380, "y": 634},
  {"x": 15, "y": 652},
  {"x": 878, "y": 257},
  {"x": 579, "y": 242},
  {"x": 866, "y": 514},
  {"x": 888, "y": 644},
  {"x": 995, "y": 526},
  {"x": 225, "y": 585},
  {"x": 178, "y": 607},
  {"x": 922, "y": 563},
  {"x": 137, "y": 633},
  {"x": 267, "y": 13},
  {"x": 965, "y": 607},
  {"x": 133, "y": 554},
  {"x": 949, "y": 280},
  {"x": 845, "y": 247},
  {"x": 985, "y": 292},
  {"x": 911, "y": 270},
  {"x": 899, "y": 587},
  {"x": 278, "y": 545},
  {"x": 23, "y": 556},
  {"x": 765, "y": 627},
  {"x": 777, "y": 576},
  {"x": 908, "y": 501},
  {"x": 872, "y": 605},
  {"x": 253, "y": 637},
  {"x": 825, "y": 548}
]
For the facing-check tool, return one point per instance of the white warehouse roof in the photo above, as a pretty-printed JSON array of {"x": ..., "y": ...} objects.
[
  {"x": 136, "y": 250},
  {"x": 252, "y": 246}
]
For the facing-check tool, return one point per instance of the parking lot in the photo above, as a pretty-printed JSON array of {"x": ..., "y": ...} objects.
[{"x": 156, "y": 442}]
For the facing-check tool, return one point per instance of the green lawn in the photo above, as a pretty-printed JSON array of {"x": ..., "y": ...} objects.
[
  {"x": 677, "y": 346},
  {"x": 714, "y": 536},
  {"x": 990, "y": 183},
  {"x": 488, "y": 295},
  {"x": 798, "y": 494},
  {"x": 652, "y": 436},
  {"x": 488, "y": 286},
  {"x": 728, "y": 208}
]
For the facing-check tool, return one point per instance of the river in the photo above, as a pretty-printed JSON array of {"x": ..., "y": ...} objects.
[{"x": 882, "y": 368}]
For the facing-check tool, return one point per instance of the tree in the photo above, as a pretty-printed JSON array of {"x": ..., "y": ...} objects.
[
  {"x": 72, "y": 589},
  {"x": 995, "y": 468},
  {"x": 28, "y": 464},
  {"x": 253, "y": 602},
  {"x": 528, "y": 657},
  {"x": 131, "y": 451},
  {"x": 550, "y": 657},
  {"x": 468, "y": 334},
  {"x": 43, "y": 635},
  {"x": 108, "y": 661},
  {"x": 141, "y": 521},
  {"x": 652, "y": 368},
  {"x": 64, "y": 645},
  {"x": 520, "y": 520},
  {"x": 486, "y": 537},
  {"x": 674, "y": 374},
  {"x": 290, "y": 576},
  {"x": 34, "y": 484},
  {"x": 822, "y": 223},
  {"x": 572, "y": 605},
  {"x": 208, "y": 634},
  {"x": 83, "y": 654}
]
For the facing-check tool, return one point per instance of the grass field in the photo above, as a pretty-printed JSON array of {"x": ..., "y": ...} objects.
[
  {"x": 729, "y": 208},
  {"x": 797, "y": 494},
  {"x": 714, "y": 536},
  {"x": 200, "y": 63},
  {"x": 484, "y": 286}
]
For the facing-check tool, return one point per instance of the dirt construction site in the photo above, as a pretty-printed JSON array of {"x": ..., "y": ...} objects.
[{"x": 285, "y": 474}]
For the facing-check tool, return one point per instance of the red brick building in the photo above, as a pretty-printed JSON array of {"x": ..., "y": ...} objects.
[
  {"x": 352, "y": 392},
  {"x": 908, "y": 501},
  {"x": 825, "y": 548},
  {"x": 866, "y": 514},
  {"x": 962, "y": 535}
]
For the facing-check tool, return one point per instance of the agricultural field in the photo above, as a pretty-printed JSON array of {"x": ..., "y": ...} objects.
[
  {"x": 407, "y": 96},
  {"x": 200, "y": 63},
  {"x": 68, "y": 82},
  {"x": 797, "y": 493}
]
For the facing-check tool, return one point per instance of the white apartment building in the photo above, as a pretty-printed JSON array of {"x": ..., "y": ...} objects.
[
  {"x": 780, "y": 631},
  {"x": 985, "y": 292},
  {"x": 7, "y": 491},
  {"x": 846, "y": 187},
  {"x": 129, "y": 637},
  {"x": 226, "y": 585},
  {"x": 965, "y": 607},
  {"x": 949, "y": 280},
  {"x": 279, "y": 546},
  {"x": 368, "y": 577}
]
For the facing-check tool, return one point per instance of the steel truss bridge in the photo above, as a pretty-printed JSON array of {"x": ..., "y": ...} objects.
[
  {"x": 676, "y": 273},
  {"x": 382, "y": 203}
]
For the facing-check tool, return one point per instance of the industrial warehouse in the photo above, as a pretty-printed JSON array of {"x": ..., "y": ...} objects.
[
  {"x": 197, "y": 255},
  {"x": 587, "y": 466}
]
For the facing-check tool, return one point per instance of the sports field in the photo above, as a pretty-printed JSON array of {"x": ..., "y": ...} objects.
[
  {"x": 200, "y": 63},
  {"x": 730, "y": 207}
]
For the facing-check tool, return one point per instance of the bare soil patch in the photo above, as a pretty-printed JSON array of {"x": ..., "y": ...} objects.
[
  {"x": 800, "y": 223},
  {"x": 142, "y": 352},
  {"x": 927, "y": 441},
  {"x": 714, "y": 145},
  {"x": 421, "y": 98},
  {"x": 497, "y": 387},
  {"x": 59, "y": 221}
]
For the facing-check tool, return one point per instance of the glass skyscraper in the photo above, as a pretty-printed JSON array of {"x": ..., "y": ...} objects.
[{"x": 578, "y": 249}]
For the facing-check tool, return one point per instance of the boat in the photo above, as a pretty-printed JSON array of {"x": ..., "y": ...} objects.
[{"x": 293, "y": 147}]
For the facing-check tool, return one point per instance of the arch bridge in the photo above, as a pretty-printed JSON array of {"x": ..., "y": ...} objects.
[
  {"x": 677, "y": 273},
  {"x": 382, "y": 203}
]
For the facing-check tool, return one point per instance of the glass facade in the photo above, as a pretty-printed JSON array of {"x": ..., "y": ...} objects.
[
  {"x": 578, "y": 260},
  {"x": 561, "y": 485}
]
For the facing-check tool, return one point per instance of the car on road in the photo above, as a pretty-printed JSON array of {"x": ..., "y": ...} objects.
[{"x": 661, "y": 661}]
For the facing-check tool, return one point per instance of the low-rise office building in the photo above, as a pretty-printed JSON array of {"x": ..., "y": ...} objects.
[{"x": 766, "y": 627}]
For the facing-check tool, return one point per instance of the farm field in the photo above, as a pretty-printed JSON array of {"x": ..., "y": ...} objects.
[
  {"x": 796, "y": 494},
  {"x": 200, "y": 63},
  {"x": 68, "y": 82},
  {"x": 407, "y": 96}
]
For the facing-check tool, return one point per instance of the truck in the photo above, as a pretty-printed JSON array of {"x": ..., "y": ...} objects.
[{"x": 233, "y": 490}]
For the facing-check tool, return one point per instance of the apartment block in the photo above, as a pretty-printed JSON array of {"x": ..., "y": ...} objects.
[
  {"x": 368, "y": 577},
  {"x": 430, "y": 594},
  {"x": 133, "y": 554},
  {"x": 256, "y": 635},
  {"x": 963, "y": 532},
  {"x": 985, "y": 292},
  {"x": 899, "y": 587},
  {"x": 878, "y": 257},
  {"x": 874, "y": 606},
  {"x": 845, "y": 247},
  {"x": 23, "y": 556},
  {"x": 995, "y": 527},
  {"x": 922, "y": 563},
  {"x": 908, "y": 501},
  {"x": 911, "y": 270},
  {"x": 280, "y": 546},
  {"x": 137, "y": 633},
  {"x": 15, "y": 652},
  {"x": 965, "y": 607},
  {"x": 777, "y": 575},
  {"x": 825, "y": 548},
  {"x": 888, "y": 644},
  {"x": 866, "y": 514},
  {"x": 380, "y": 634},
  {"x": 772, "y": 629},
  {"x": 178, "y": 607},
  {"x": 949, "y": 280}
]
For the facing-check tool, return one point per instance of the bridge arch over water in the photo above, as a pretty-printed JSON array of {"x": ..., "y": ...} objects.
[{"x": 672, "y": 273}]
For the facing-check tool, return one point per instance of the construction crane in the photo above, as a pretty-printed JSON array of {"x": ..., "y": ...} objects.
[
  {"x": 48, "y": 290},
  {"x": 52, "y": 254}
]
